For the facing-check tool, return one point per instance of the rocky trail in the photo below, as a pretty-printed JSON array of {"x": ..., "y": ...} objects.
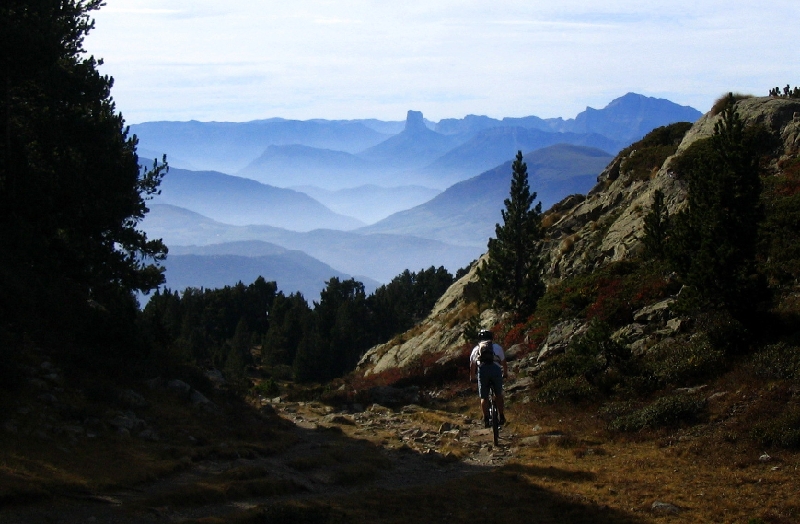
[{"x": 335, "y": 452}]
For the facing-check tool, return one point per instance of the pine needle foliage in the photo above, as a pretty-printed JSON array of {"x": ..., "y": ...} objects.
[
  {"x": 72, "y": 192},
  {"x": 713, "y": 243},
  {"x": 656, "y": 227},
  {"x": 511, "y": 278}
]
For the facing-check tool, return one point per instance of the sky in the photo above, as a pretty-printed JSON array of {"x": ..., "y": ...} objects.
[{"x": 242, "y": 60}]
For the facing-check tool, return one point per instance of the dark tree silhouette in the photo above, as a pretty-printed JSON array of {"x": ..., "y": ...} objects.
[
  {"x": 71, "y": 189},
  {"x": 656, "y": 227},
  {"x": 511, "y": 277},
  {"x": 714, "y": 239}
]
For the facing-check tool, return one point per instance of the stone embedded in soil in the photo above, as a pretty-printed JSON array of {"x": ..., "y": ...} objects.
[{"x": 664, "y": 507}]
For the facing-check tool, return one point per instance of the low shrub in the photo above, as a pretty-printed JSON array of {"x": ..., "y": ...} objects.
[
  {"x": 590, "y": 365},
  {"x": 610, "y": 294},
  {"x": 723, "y": 331},
  {"x": 666, "y": 411},
  {"x": 574, "y": 389},
  {"x": 646, "y": 156},
  {"x": 614, "y": 410},
  {"x": 721, "y": 102},
  {"x": 777, "y": 361},
  {"x": 267, "y": 388},
  {"x": 686, "y": 362},
  {"x": 781, "y": 431}
]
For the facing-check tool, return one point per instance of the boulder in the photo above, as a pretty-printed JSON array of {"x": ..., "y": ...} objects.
[
  {"x": 515, "y": 350},
  {"x": 336, "y": 418},
  {"x": 131, "y": 399},
  {"x": 630, "y": 333},
  {"x": 560, "y": 336},
  {"x": 179, "y": 386},
  {"x": 658, "y": 312},
  {"x": 127, "y": 421}
]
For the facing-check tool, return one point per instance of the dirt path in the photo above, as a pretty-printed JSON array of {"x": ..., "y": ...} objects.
[{"x": 335, "y": 453}]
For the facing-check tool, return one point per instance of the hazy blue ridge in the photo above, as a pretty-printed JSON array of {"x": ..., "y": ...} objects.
[
  {"x": 370, "y": 203},
  {"x": 496, "y": 145},
  {"x": 415, "y": 147},
  {"x": 296, "y": 164},
  {"x": 380, "y": 256},
  {"x": 628, "y": 118},
  {"x": 466, "y": 213},
  {"x": 230, "y": 146},
  {"x": 241, "y": 201},
  {"x": 292, "y": 271},
  {"x": 392, "y": 153}
]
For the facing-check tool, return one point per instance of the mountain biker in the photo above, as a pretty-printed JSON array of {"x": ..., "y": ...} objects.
[{"x": 490, "y": 369}]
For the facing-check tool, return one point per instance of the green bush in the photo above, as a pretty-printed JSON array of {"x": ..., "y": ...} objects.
[
  {"x": 723, "y": 331},
  {"x": 614, "y": 410},
  {"x": 686, "y": 363},
  {"x": 777, "y": 361},
  {"x": 267, "y": 388},
  {"x": 647, "y": 155},
  {"x": 574, "y": 389},
  {"x": 782, "y": 431},
  {"x": 590, "y": 365},
  {"x": 664, "y": 412}
]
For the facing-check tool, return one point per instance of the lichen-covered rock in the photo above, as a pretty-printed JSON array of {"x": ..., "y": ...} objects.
[
  {"x": 441, "y": 332},
  {"x": 560, "y": 336},
  {"x": 658, "y": 312}
]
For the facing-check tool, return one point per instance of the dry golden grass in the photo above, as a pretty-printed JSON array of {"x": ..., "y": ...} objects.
[
  {"x": 550, "y": 218},
  {"x": 39, "y": 467},
  {"x": 711, "y": 471}
]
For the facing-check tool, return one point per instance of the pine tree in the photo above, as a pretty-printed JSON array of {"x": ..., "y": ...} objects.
[
  {"x": 511, "y": 278},
  {"x": 714, "y": 239},
  {"x": 656, "y": 227},
  {"x": 71, "y": 189}
]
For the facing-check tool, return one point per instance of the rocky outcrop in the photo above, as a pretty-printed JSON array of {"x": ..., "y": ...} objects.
[
  {"x": 583, "y": 234},
  {"x": 441, "y": 333}
]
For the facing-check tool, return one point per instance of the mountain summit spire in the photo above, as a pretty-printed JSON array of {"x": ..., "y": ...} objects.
[{"x": 414, "y": 121}]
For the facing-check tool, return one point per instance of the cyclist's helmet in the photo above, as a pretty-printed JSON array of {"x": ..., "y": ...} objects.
[{"x": 485, "y": 334}]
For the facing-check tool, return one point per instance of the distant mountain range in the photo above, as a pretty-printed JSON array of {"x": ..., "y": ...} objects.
[
  {"x": 345, "y": 154},
  {"x": 241, "y": 201},
  {"x": 230, "y": 146},
  {"x": 380, "y": 257},
  {"x": 430, "y": 192},
  {"x": 370, "y": 203},
  {"x": 491, "y": 147},
  {"x": 305, "y": 165},
  {"x": 214, "y": 266},
  {"x": 466, "y": 213}
]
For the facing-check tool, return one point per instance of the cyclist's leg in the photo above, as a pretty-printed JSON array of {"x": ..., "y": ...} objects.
[{"x": 483, "y": 393}]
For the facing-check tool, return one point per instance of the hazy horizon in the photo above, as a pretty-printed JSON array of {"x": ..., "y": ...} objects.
[{"x": 242, "y": 61}]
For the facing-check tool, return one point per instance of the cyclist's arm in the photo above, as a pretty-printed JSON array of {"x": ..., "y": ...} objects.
[
  {"x": 505, "y": 368},
  {"x": 473, "y": 368}
]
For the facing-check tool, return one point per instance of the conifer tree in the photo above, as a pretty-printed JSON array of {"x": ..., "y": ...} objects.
[
  {"x": 713, "y": 244},
  {"x": 511, "y": 277},
  {"x": 72, "y": 192},
  {"x": 656, "y": 227}
]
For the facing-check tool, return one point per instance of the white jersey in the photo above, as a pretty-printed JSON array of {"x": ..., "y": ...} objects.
[{"x": 499, "y": 356}]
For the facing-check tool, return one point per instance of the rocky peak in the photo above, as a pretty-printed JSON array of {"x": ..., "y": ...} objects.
[{"x": 415, "y": 122}]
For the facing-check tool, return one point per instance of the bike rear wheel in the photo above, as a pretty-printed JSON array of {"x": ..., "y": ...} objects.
[{"x": 495, "y": 417}]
